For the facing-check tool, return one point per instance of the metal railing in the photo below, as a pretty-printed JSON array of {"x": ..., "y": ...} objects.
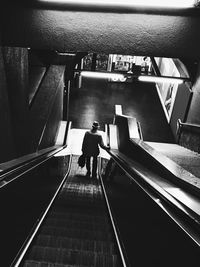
[{"x": 122, "y": 252}]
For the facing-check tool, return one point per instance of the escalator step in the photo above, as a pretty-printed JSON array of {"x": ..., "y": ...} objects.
[
  {"x": 80, "y": 201},
  {"x": 82, "y": 190},
  {"x": 82, "y": 194},
  {"x": 73, "y": 257},
  {"x": 77, "y": 224},
  {"x": 76, "y": 233},
  {"x": 86, "y": 204},
  {"x": 75, "y": 244},
  {"x": 30, "y": 263},
  {"x": 79, "y": 216}
]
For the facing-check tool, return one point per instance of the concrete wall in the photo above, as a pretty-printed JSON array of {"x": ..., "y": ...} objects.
[
  {"x": 194, "y": 111},
  {"x": 24, "y": 127},
  {"x": 54, "y": 118},
  {"x": 16, "y": 72},
  {"x": 6, "y": 138},
  {"x": 41, "y": 116}
]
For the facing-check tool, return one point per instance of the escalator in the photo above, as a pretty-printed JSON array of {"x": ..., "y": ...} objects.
[
  {"x": 156, "y": 229},
  {"x": 52, "y": 215},
  {"x": 55, "y": 216},
  {"x": 157, "y": 214},
  {"x": 77, "y": 230},
  {"x": 72, "y": 220}
]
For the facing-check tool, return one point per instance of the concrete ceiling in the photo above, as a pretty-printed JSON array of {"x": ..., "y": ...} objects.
[{"x": 152, "y": 33}]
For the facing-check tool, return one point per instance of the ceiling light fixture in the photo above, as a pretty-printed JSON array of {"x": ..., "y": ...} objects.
[
  {"x": 103, "y": 75},
  {"x": 162, "y": 79},
  {"x": 127, "y": 77},
  {"x": 126, "y": 3}
]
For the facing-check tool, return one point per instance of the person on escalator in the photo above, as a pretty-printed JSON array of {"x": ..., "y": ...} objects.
[{"x": 90, "y": 148}]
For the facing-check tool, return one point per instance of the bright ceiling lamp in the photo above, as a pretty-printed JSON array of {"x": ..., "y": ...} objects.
[
  {"x": 103, "y": 75},
  {"x": 156, "y": 79},
  {"x": 127, "y": 3},
  {"x": 121, "y": 77}
]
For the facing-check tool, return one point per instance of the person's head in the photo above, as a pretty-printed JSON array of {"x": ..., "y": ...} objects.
[{"x": 95, "y": 126}]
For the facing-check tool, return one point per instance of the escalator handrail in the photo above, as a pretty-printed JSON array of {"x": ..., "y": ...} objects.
[
  {"x": 23, "y": 163},
  {"x": 33, "y": 162},
  {"x": 22, "y": 252},
  {"x": 132, "y": 172},
  {"x": 26, "y": 167},
  {"x": 162, "y": 198},
  {"x": 123, "y": 163},
  {"x": 122, "y": 253},
  {"x": 163, "y": 195}
]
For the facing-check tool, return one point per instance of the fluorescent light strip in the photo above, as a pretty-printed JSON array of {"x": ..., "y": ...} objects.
[
  {"x": 128, "y": 3},
  {"x": 66, "y": 54},
  {"x": 121, "y": 77},
  {"x": 160, "y": 79},
  {"x": 104, "y": 75}
]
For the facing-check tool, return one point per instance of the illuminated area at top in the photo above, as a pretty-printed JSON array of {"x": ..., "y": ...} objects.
[{"x": 129, "y": 3}]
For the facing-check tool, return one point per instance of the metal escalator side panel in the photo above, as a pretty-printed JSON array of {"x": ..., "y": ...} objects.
[
  {"x": 27, "y": 244},
  {"x": 122, "y": 253}
]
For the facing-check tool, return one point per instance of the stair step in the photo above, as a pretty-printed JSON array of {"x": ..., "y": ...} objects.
[
  {"x": 82, "y": 190},
  {"x": 81, "y": 196},
  {"x": 88, "y": 207},
  {"x": 76, "y": 233},
  {"x": 30, "y": 263},
  {"x": 83, "y": 211},
  {"x": 74, "y": 183},
  {"x": 79, "y": 216},
  {"x": 77, "y": 224},
  {"x": 71, "y": 197},
  {"x": 73, "y": 257},
  {"x": 85, "y": 200},
  {"x": 75, "y": 244}
]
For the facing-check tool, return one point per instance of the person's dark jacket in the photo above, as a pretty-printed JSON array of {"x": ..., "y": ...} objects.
[{"x": 91, "y": 142}]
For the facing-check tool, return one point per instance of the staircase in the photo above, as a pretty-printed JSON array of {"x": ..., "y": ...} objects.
[{"x": 77, "y": 231}]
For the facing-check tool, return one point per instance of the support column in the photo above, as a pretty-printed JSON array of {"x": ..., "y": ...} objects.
[
  {"x": 66, "y": 101},
  {"x": 69, "y": 82},
  {"x": 94, "y": 59}
]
